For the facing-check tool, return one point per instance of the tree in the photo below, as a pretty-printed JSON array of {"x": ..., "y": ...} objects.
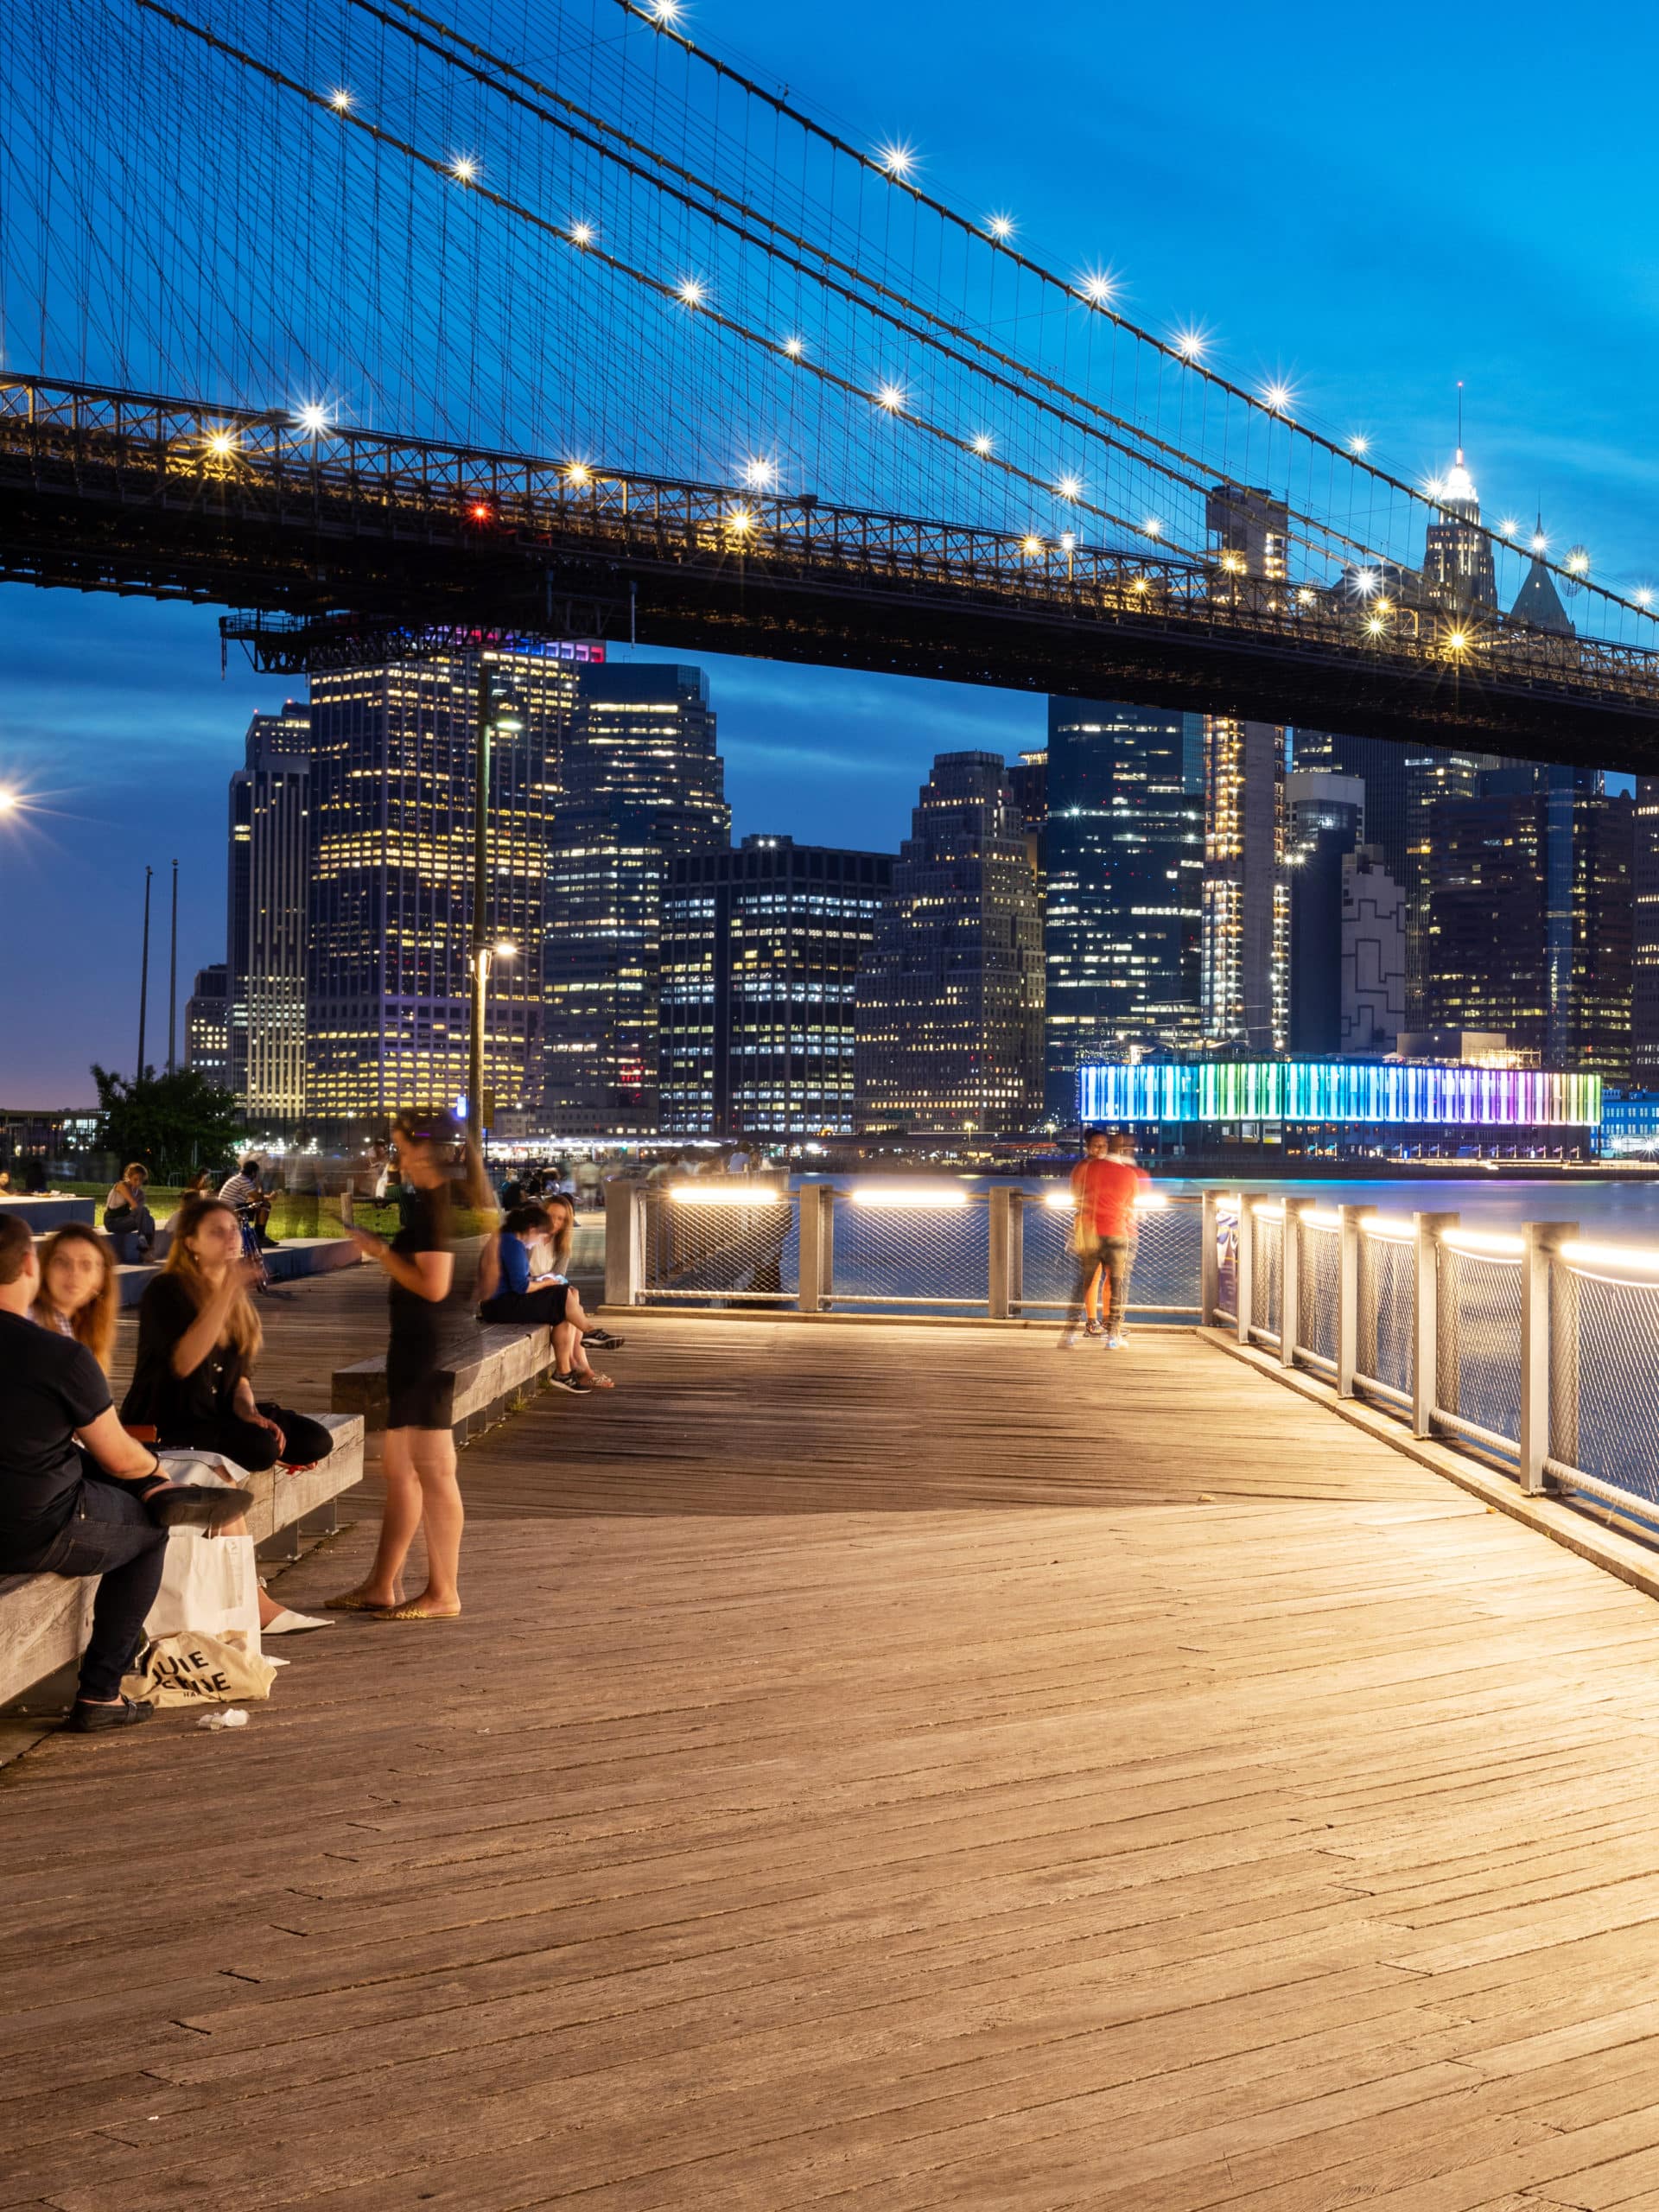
[{"x": 174, "y": 1123}]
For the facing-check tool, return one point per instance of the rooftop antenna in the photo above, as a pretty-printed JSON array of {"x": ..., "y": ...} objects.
[{"x": 1460, "y": 422}]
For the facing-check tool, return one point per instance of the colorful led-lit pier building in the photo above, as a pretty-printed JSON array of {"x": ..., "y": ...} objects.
[{"x": 1343, "y": 1106}]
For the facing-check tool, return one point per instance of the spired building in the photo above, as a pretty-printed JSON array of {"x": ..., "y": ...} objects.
[
  {"x": 394, "y": 766},
  {"x": 1124, "y": 844},
  {"x": 265, "y": 919},
  {"x": 1458, "y": 572},
  {"x": 760, "y": 952},
  {"x": 949, "y": 1005},
  {"x": 640, "y": 784}
]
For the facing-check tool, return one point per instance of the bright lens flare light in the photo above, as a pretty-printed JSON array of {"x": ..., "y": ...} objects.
[
  {"x": 1509, "y": 527},
  {"x": 505, "y": 949},
  {"x": 1366, "y": 581},
  {"x": 666, "y": 12},
  {"x": 794, "y": 348},
  {"x": 1457, "y": 641},
  {"x": 313, "y": 419},
  {"x": 1070, "y": 487},
  {"x": 981, "y": 445},
  {"x": 1152, "y": 527},
  {"x": 579, "y": 474},
  {"x": 1540, "y": 543},
  {"x": 691, "y": 291},
  {"x": 740, "y": 521},
  {"x": 1097, "y": 287},
  {"x": 464, "y": 169},
  {"x": 9, "y": 802},
  {"x": 1001, "y": 226},
  {"x": 1642, "y": 594},
  {"x": 221, "y": 444},
  {"x": 1030, "y": 546},
  {"x": 1577, "y": 561},
  {"x": 760, "y": 474},
  {"x": 341, "y": 100},
  {"x": 1190, "y": 345},
  {"x": 891, "y": 397},
  {"x": 581, "y": 234},
  {"x": 1277, "y": 396},
  {"x": 1359, "y": 442},
  {"x": 898, "y": 159}
]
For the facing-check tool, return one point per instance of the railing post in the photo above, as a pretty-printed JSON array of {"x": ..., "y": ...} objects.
[
  {"x": 1244, "y": 1268},
  {"x": 1348, "y": 1296},
  {"x": 997, "y": 1241},
  {"x": 1209, "y": 1259},
  {"x": 1426, "y": 1336},
  {"x": 1016, "y": 1251},
  {"x": 1290, "y": 1279},
  {"x": 1540, "y": 1238},
  {"x": 625, "y": 1242},
  {"x": 814, "y": 1215}
]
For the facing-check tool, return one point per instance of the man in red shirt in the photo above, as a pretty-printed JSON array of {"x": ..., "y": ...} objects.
[{"x": 1104, "y": 1185}]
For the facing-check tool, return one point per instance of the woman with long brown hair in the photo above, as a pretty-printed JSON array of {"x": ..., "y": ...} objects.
[
  {"x": 198, "y": 1338},
  {"x": 78, "y": 1295},
  {"x": 419, "y": 1464}
]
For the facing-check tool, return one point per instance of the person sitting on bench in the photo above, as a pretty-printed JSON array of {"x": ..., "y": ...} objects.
[
  {"x": 53, "y": 1402},
  {"x": 509, "y": 1291}
]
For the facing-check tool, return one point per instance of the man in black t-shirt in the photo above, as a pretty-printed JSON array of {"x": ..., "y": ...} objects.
[{"x": 53, "y": 1519}]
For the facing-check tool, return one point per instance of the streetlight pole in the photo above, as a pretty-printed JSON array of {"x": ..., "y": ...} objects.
[
  {"x": 493, "y": 713},
  {"x": 143, "y": 978}
]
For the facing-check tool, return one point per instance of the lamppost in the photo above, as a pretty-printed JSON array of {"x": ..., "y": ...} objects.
[{"x": 503, "y": 714}]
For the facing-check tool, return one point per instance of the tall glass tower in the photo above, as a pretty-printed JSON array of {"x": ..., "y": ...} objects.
[
  {"x": 1124, "y": 844},
  {"x": 950, "y": 1004},
  {"x": 640, "y": 782},
  {"x": 265, "y": 919}
]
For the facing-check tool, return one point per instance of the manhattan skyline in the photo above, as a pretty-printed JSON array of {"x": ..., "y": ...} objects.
[{"x": 1436, "y": 235}]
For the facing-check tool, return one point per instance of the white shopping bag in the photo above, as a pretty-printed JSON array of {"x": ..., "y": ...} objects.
[{"x": 210, "y": 1586}]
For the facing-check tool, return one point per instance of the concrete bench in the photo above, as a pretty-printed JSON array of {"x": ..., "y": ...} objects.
[
  {"x": 492, "y": 1375},
  {"x": 45, "y": 1619}
]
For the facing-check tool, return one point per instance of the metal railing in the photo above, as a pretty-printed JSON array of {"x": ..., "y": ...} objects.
[
  {"x": 997, "y": 1250},
  {"x": 1533, "y": 1349}
]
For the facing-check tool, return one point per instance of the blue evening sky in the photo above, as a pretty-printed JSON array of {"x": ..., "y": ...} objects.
[{"x": 1376, "y": 203}]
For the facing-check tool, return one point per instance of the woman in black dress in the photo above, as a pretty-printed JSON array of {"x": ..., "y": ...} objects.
[{"x": 421, "y": 1491}]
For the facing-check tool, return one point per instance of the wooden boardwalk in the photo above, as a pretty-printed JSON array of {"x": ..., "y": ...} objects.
[{"x": 867, "y": 1776}]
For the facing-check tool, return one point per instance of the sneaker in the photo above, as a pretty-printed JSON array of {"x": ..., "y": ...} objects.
[
  {"x": 1072, "y": 1340},
  {"x": 1117, "y": 1344},
  {"x": 576, "y": 1384},
  {"x": 1094, "y": 1329},
  {"x": 604, "y": 1339}
]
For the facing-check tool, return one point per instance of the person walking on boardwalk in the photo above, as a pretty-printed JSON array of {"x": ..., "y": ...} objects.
[
  {"x": 1104, "y": 1183},
  {"x": 420, "y": 1488}
]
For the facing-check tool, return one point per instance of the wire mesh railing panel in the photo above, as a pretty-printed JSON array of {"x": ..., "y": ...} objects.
[
  {"x": 1604, "y": 1378},
  {"x": 901, "y": 1255},
  {"x": 729, "y": 1252},
  {"x": 1318, "y": 1280},
  {"x": 1385, "y": 1328},
  {"x": 1165, "y": 1278},
  {"x": 1267, "y": 1285},
  {"x": 1478, "y": 1340}
]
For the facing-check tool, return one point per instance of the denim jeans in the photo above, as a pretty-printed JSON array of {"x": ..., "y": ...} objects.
[
  {"x": 109, "y": 1535},
  {"x": 1115, "y": 1255}
]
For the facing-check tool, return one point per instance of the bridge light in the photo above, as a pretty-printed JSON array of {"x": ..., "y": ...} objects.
[
  {"x": 1139, "y": 584},
  {"x": 1305, "y": 596},
  {"x": 1434, "y": 485},
  {"x": 341, "y": 100},
  {"x": 1001, "y": 226},
  {"x": 1070, "y": 487},
  {"x": 1030, "y": 546},
  {"x": 221, "y": 444},
  {"x": 760, "y": 474},
  {"x": 1540, "y": 543},
  {"x": 1098, "y": 286},
  {"x": 580, "y": 234},
  {"x": 892, "y": 397},
  {"x": 1152, "y": 527},
  {"x": 579, "y": 474},
  {"x": 794, "y": 348},
  {"x": 692, "y": 291},
  {"x": 1359, "y": 442},
  {"x": 1277, "y": 397},
  {"x": 740, "y": 520},
  {"x": 480, "y": 512},
  {"x": 313, "y": 419},
  {"x": 1509, "y": 527},
  {"x": 1234, "y": 562},
  {"x": 464, "y": 169},
  {"x": 898, "y": 159},
  {"x": 1643, "y": 596},
  {"x": 1190, "y": 343},
  {"x": 1385, "y": 607},
  {"x": 1366, "y": 581},
  {"x": 1068, "y": 542},
  {"x": 1457, "y": 641},
  {"x": 1375, "y": 626},
  {"x": 1577, "y": 561},
  {"x": 666, "y": 12},
  {"x": 981, "y": 445}
]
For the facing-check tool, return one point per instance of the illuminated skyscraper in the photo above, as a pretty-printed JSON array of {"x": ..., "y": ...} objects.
[
  {"x": 640, "y": 783},
  {"x": 1644, "y": 995},
  {"x": 1326, "y": 815},
  {"x": 393, "y": 779},
  {"x": 761, "y": 949},
  {"x": 206, "y": 1026},
  {"x": 1246, "y": 927},
  {"x": 1124, "y": 844},
  {"x": 1458, "y": 573},
  {"x": 950, "y": 1001},
  {"x": 265, "y": 932}
]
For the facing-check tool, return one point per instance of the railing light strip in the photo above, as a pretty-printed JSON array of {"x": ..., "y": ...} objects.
[
  {"x": 1321, "y": 1218},
  {"x": 1580, "y": 1252},
  {"x": 1484, "y": 1244},
  {"x": 945, "y": 1194},
  {"x": 703, "y": 1194}
]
